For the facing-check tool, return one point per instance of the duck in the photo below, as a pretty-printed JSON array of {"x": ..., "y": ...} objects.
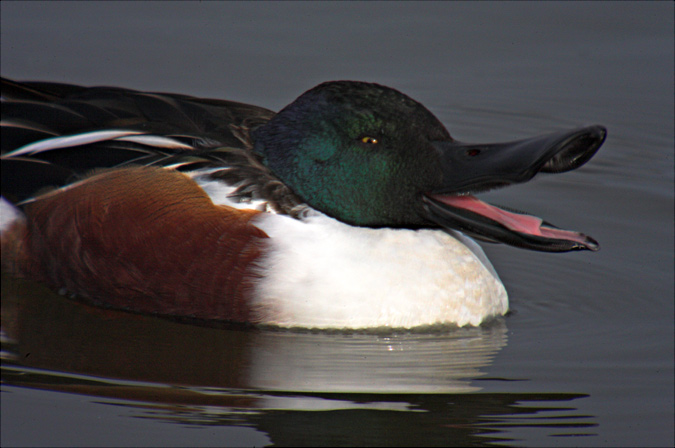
[{"x": 352, "y": 207}]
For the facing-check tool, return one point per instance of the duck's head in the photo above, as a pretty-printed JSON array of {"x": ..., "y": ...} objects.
[{"x": 371, "y": 156}]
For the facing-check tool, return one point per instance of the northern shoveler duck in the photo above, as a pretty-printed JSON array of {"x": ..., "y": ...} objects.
[{"x": 351, "y": 207}]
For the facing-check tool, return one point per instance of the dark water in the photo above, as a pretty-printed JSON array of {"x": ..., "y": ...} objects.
[{"x": 585, "y": 357}]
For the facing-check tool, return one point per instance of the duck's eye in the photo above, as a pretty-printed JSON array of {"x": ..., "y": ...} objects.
[{"x": 370, "y": 140}]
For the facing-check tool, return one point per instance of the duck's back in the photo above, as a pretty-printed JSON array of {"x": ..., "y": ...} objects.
[{"x": 94, "y": 127}]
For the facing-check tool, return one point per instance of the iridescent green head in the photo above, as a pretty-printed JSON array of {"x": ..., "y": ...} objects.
[{"x": 358, "y": 152}]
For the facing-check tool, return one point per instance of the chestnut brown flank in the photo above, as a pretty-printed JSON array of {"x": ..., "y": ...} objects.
[{"x": 145, "y": 239}]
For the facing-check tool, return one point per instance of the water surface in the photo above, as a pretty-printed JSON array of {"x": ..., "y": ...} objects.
[{"x": 584, "y": 358}]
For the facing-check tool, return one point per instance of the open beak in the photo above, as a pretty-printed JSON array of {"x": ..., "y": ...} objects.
[{"x": 471, "y": 168}]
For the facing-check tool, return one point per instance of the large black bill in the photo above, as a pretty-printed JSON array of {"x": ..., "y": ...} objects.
[{"x": 472, "y": 168}]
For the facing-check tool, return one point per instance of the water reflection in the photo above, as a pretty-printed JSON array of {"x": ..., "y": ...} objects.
[
  {"x": 379, "y": 388},
  {"x": 473, "y": 419},
  {"x": 54, "y": 333}
]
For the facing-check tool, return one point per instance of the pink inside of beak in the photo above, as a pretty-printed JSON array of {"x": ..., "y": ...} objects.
[{"x": 530, "y": 225}]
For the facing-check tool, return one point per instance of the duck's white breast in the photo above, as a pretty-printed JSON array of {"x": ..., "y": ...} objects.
[{"x": 321, "y": 273}]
